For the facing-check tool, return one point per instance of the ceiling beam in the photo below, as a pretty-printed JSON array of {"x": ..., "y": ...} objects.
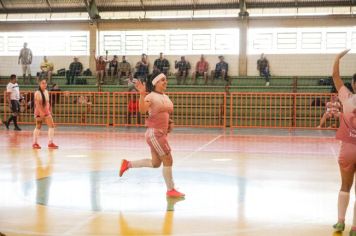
[
  {"x": 3, "y": 6},
  {"x": 142, "y": 5},
  {"x": 194, "y": 4},
  {"x": 49, "y": 5}
]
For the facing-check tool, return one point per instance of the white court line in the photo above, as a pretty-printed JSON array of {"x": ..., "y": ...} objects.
[
  {"x": 200, "y": 148},
  {"x": 80, "y": 225}
]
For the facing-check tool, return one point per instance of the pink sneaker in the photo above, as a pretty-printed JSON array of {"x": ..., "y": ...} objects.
[
  {"x": 52, "y": 145},
  {"x": 124, "y": 167},
  {"x": 36, "y": 146},
  {"x": 174, "y": 193}
]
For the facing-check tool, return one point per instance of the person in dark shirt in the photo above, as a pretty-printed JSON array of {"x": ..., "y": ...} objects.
[
  {"x": 75, "y": 69},
  {"x": 183, "y": 68},
  {"x": 113, "y": 67},
  {"x": 221, "y": 69},
  {"x": 142, "y": 68},
  {"x": 162, "y": 64},
  {"x": 263, "y": 68}
]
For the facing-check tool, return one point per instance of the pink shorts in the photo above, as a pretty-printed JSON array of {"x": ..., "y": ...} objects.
[
  {"x": 158, "y": 142},
  {"x": 347, "y": 157}
]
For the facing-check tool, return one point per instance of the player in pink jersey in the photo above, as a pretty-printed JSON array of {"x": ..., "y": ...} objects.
[
  {"x": 347, "y": 135},
  {"x": 43, "y": 114},
  {"x": 159, "y": 107}
]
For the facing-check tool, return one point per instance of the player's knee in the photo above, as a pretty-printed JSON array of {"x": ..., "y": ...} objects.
[
  {"x": 156, "y": 164},
  {"x": 346, "y": 187}
]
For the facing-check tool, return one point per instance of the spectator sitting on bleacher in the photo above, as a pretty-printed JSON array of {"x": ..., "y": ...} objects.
[
  {"x": 162, "y": 64},
  {"x": 332, "y": 110},
  {"x": 100, "y": 63},
  {"x": 142, "y": 68},
  {"x": 201, "y": 69},
  {"x": 113, "y": 67},
  {"x": 263, "y": 68},
  {"x": 221, "y": 70},
  {"x": 124, "y": 69},
  {"x": 131, "y": 83},
  {"x": 183, "y": 68},
  {"x": 46, "y": 70},
  {"x": 75, "y": 69}
]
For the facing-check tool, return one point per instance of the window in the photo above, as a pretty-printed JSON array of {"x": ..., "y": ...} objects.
[
  {"x": 78, "y": 43},
  {"x": 311, "y": 40},
  {"x": 134, "y": 44},
  {"x": 14, "y": 43},
  {"x": 335, "y": 40},
  {"x": 263, "y": 41},
  {"x": 170, "y": 42},
  {"x": 2, "y": 44},
  {"x": 300, "y": 40},
  {"x": 201, "y": 42},
  {"x": 58, "y": 43},
  {"x": 112, "y": 44},
  {"x": 178, "y": 42},
  {"x": 353, "y": 40},
  {"x": 156, "y": 43},
  {"x": 287, "y": 40}
]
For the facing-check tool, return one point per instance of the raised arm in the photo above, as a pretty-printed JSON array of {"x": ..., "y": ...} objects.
[
  {"x": 143, "y": 105},
  {"x": 336, "y": 70}
]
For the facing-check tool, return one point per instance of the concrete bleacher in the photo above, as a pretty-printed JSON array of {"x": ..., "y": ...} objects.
[{"x": 284, "y": 84}]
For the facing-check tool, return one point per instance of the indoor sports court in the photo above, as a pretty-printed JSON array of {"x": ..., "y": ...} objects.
[{"x": 164, "y": 117}]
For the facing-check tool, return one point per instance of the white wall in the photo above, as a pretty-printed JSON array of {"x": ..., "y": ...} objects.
[{"x": 303, "y": 64}]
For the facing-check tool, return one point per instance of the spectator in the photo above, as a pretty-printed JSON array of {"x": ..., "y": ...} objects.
[
  {"x": 100, "y": 69},
  {"x": 124, "y": 69},
  {"x": 183, "y": 68},
  {"x": 46, "y": 70},
  {"x": 113, "y": 67},
  {"x": 332, "y": 110},
  {"x": 75, "y": 69},
  {"x": 133, "y": 110},
  {"x": 263, "y": 68},
  {"x": 162, "y": 64},
  {"x": 131, "y": 83},
  {"x": 142, "y": 68},
  {"x": 25, "y": 58},
  {"x": 201, "y": 69},
  {"x": 221, "y": 69}
]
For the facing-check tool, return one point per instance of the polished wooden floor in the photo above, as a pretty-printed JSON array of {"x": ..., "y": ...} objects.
[{"x": 237, "y": 182}]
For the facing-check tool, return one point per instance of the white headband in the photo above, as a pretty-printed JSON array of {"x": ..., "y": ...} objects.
[{"x": 158, "y": 78}]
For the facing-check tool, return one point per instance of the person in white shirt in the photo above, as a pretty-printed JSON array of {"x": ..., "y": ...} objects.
[
  {"x": 25, "y": 58},
  {"x": 13, "y": 98}
]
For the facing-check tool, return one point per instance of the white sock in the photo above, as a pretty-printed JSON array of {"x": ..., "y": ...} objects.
[
  {"x": 354, "y": 220},
  {"x": 50, "y": 135},
  {"x": 36, "y": 133},
  {"x": 343, "y": 202},
  {"x": 141, "y": 163},
  {"x": 168, "y": 178}
]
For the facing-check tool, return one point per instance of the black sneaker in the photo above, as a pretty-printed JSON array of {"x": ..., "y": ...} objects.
[
  {"x": 17, "y": 128},
  {"x": 6, "y": 124}
]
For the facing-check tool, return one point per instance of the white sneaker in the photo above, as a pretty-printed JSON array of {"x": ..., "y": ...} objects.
[{"x": 267, "y": 83}]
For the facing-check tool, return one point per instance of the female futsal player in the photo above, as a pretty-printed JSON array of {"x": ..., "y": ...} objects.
[
  {"x": 347, "y": 134},
  {"x": 159, "y": 106},
  {"x": 43, "y": 114}
]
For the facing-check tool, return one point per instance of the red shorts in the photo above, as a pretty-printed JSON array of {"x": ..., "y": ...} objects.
[
  {"x": 158, "y": 142},
  {"x": 347, "y": 157}
]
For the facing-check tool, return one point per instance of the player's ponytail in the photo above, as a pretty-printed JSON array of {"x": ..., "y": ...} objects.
[{"x": 44, "y": 102}]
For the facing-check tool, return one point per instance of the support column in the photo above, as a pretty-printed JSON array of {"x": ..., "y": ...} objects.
[
  {"x": 243, "y": 47},
  {"x": 93, "y": 30}
]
